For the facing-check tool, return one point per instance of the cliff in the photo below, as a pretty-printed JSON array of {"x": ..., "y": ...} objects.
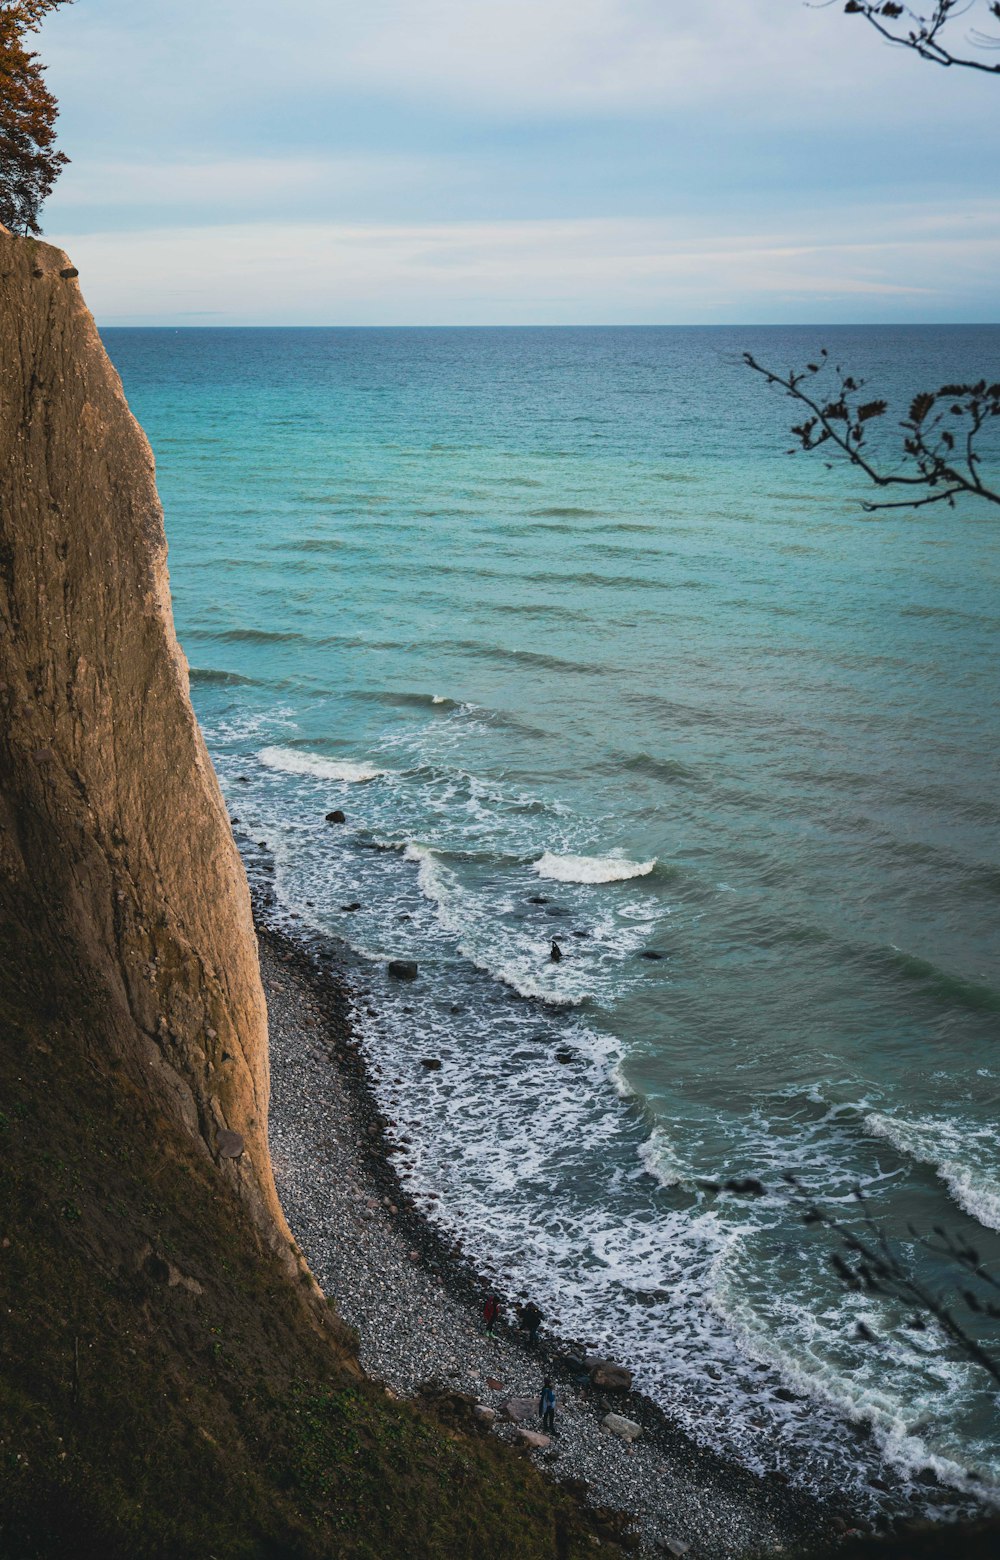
[
  {"x": 172, "y": 1383},
  {"x": 115, "y": 846}
]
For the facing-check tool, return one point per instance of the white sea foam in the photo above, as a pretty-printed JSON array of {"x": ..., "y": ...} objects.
[
  {"x": 947, "y": 1147},
  {"x": 291, "y": 761},
  {"x": 660, "y": 1158},
  {"x": 591, "y": 869},
  {"x": 439, "y": 698},
  {"x": 892, "y": 1405}
]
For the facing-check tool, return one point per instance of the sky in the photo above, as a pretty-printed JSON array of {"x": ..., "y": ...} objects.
[{"x": 450, "y": 162}]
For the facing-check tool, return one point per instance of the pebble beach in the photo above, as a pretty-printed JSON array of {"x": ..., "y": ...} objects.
[{"x": 417, "y": 1305}]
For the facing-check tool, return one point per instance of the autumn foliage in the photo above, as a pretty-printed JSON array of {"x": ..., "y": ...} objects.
[{"x": 29, "y": 161}]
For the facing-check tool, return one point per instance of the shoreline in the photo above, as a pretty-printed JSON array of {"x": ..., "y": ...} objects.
[{"x": 415, "y": 1300}]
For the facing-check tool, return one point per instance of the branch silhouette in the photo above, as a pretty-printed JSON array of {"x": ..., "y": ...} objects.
[
  {"x": 938, "y": 452},
  {"x": 924, "y": 31}
]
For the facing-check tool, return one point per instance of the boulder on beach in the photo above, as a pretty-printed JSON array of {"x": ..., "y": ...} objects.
[
  {"x": 517, "y": 1408},
  {"x": 625, "y": 1429},
  {"x": 534, "y": 1438},
  {"x": 608, "y": 1375},
  {"x": 402, "y": 969},
  {"x": 484, "y": 1413}
]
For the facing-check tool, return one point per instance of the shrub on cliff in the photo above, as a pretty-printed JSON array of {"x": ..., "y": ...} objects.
[{"x": 29, "y": 162}]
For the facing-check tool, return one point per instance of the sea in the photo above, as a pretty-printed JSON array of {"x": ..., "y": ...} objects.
[{"x": 587, "y": 658}]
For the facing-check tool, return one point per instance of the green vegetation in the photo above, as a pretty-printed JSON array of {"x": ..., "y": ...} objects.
[{"x": 164, "y": 1390}]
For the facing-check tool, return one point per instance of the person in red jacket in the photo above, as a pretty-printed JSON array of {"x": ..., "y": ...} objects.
[{"x": 491, "y": 1313}]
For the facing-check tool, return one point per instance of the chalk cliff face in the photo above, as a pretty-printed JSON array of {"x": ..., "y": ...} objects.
[{"x": 115, "y": 847}]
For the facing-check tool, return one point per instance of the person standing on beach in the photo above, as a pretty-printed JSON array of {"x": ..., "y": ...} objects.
[
  {"x": 547, "y": 1407},
  {"x": 491, "y": 1313},
  {"x": 531, "y": 1320}
]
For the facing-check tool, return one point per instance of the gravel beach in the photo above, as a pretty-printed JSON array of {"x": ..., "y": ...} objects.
[{"x": 417, "y": 1306}]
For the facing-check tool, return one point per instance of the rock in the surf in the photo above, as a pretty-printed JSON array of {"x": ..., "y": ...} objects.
[
  {"x": 337, "y": 816},
  {"x": 403, "y": 969},
  {"x": 555, "y": 952}
]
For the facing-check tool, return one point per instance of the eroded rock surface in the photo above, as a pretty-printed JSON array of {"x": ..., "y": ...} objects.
[{"x": 115, "y": 846}]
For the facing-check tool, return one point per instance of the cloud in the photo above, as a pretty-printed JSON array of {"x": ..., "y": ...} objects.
[{"x": 597, "y": 270}]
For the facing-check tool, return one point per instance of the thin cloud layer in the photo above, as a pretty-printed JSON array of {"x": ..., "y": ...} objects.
[
  {"x": 652, "y": 132},
  {"x": 537, "y": 272}
]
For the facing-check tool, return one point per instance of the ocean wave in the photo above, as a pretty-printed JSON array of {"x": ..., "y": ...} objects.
[
  {"x": 660, "y": 1159},
  {"x": 247, "y": 636},
  {"x": 591, "y": 869},
  {"x": 863, "y": 1397},
  {"x": 945, "y": 1146},
  {"x": 212, "y": 676},
  {"x": 291, "y": 761}
]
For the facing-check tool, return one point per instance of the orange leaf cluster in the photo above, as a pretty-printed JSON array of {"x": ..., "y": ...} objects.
[{"x": 29, "y": 161}]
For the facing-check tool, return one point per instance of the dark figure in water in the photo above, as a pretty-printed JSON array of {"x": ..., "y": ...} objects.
[
  {"x": 531, "y": 1320},
  {"x": 547, "y": 1407},
  {"x": 491, "y": 1313},
  {"x": 555, "y": 952}
]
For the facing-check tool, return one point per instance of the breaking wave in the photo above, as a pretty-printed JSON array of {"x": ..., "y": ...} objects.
[
  {"x": 291, "y": 762},
  {"x": 591, "y": 869}
]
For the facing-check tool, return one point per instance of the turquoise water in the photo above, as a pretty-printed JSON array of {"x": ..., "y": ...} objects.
[{"x": 583, "y": 655}]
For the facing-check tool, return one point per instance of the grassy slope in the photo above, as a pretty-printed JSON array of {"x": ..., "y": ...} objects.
[{"x": 140, "y": 1418}]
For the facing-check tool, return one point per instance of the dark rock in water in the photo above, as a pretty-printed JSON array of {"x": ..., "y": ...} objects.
[
  {"x": 337, "y": 816},
  {"x": 650, "y": 953},
  {"x": 555, "y": 952},
  {"x": 402, "y": 969},
  {"x": 356, "y": 905},
  {"x": 537, "y": 899},
  {"x": 432, "y": 1063},
  {"x": 564, "y": 1056},
  {"x": 580, "y": 934},
  {"x": 556, "y": 910},
  {"x": 785, "y": 1396},
  {"x": 243, "y": 779},
  {"x": 404, "y": 915}
]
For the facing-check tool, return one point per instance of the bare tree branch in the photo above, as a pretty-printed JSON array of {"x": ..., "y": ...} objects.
[
  {"x": 938, "y": 452},
  {"x": 923, "y": 31}
]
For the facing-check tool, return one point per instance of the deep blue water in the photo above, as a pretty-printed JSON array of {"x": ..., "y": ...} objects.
[{"x": 583, "y": 655}]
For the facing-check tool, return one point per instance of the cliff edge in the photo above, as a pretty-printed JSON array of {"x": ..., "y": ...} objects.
[{"x": 115, "y": 844}]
